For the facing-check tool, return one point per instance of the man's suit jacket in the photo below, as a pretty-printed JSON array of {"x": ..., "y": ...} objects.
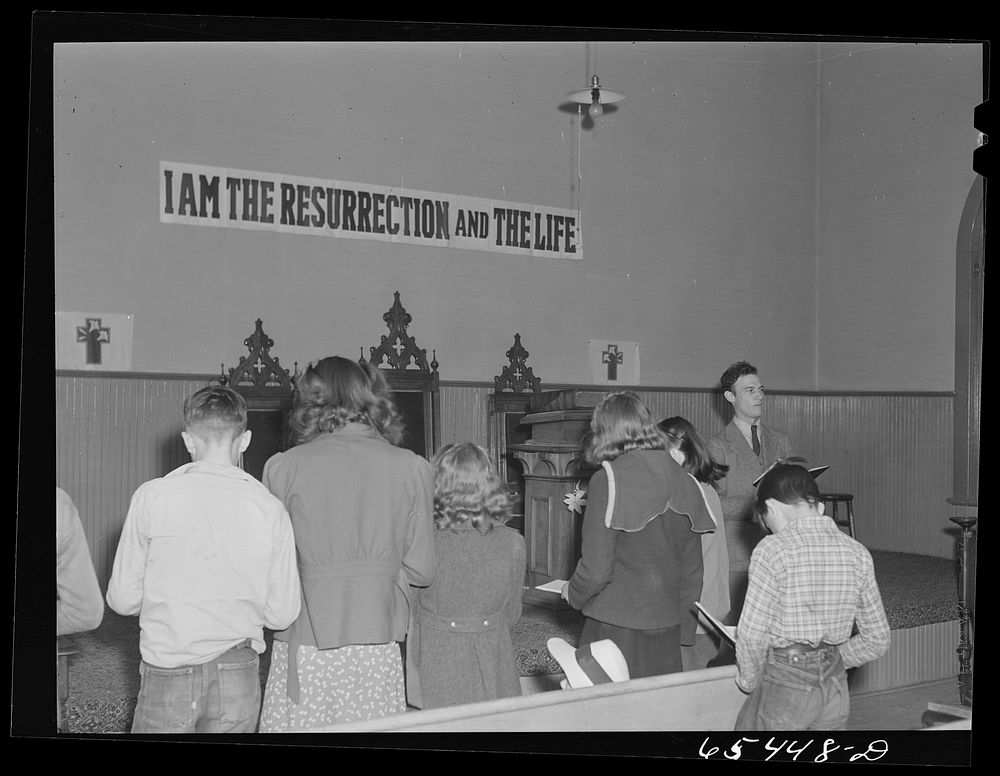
[{"x": 736, "y": 490}]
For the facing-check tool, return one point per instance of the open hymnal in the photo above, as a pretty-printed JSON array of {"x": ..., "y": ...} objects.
[
  {"x": 555, "y": 586},
  {"x": 815, "y": 472},
  {"x": 728, "y": 632}
]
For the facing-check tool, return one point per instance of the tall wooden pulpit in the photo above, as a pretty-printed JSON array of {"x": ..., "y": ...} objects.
[{"x": 555, "y": 483}]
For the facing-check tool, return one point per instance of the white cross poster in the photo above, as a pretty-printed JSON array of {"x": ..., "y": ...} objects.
[
  {"x": 613, "y": 362},
  {"x": 96, "y": 341}
]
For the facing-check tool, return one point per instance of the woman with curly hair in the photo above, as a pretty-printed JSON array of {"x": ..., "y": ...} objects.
[
  {"x": 460, "y": 646},
  {"x": 640, "y": 569},
  {"x": 361, "y": 511}
]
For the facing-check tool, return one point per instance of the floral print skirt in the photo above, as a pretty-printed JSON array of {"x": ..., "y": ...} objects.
[{"x": 346, "y": 684}]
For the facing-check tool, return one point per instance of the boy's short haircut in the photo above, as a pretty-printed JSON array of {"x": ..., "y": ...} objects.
[
  {"x": 215, "y": 411},
  {"x": 734, "y": 372},
  {"x": 789, "y": 482}
]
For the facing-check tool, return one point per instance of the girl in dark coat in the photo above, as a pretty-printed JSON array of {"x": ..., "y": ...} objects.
[
  {"x": 460, "y": 648},
  {"x": 640, "y": 569}
]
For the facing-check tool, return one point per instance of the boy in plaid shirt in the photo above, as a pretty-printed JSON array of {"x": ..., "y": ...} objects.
[{"x": 810, "y": 584}]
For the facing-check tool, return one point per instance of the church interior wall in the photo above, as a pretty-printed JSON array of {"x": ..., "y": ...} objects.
[{"x": 795, "y": 205}]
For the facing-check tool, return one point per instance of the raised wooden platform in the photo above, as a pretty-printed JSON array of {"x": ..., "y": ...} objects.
[
  {"x": 924, "y": 653},
  {"x": 920, "y": 597}
]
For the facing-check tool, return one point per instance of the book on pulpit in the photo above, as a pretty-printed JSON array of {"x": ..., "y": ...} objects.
[
  {"x": 815, "y": 472},
  {"x": 568, "y": 399},
  {"x": 728, "y": 632},
  {"x": 554, "y": 586}
]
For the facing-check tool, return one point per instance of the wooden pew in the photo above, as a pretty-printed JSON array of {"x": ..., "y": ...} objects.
[{"x": 693, "y": 700}]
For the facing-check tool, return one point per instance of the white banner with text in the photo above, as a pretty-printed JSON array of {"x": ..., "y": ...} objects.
[{"x": 244, "y": 199}]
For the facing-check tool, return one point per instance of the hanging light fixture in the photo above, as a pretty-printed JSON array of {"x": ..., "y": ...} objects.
[{"x": 596, "y": 96}]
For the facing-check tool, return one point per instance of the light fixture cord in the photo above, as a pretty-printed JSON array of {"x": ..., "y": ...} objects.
[
  {"x": 579, "y": 167},
  {"x": 579, "y": 126}
]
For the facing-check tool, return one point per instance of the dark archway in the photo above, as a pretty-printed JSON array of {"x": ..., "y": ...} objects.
[{"x": 970, "y": 272}]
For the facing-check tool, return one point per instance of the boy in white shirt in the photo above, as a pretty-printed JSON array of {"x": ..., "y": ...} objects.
[{"x": 207, "y": 560}]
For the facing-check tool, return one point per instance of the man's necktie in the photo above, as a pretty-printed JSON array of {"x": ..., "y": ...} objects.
[{"x": 755, "y": 440}]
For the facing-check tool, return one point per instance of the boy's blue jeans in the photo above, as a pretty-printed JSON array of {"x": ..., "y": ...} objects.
[
  {"x": 804, "y": 692},
  {"x": 220, "y": 696}
]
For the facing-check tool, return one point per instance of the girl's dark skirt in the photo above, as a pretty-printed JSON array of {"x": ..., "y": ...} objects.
[{"x": 647, "y": 652}]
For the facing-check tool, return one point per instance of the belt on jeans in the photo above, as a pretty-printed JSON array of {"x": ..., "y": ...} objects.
[
  {"x": 805, "y": 650},
  {"x": 245, "y": 644}
]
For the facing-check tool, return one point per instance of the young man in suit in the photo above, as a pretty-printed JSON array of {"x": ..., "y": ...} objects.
[{"x": 747, "y": 447}]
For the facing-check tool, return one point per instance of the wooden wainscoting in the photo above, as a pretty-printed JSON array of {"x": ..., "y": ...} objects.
[
  {"x": 892, "y": 451},
  {"x": 114, "y": 432}
]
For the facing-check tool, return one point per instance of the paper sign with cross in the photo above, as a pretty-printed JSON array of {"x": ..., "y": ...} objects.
[
  {"x": 613, "y": 362},
  {"x": 100, "y": 341}
]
